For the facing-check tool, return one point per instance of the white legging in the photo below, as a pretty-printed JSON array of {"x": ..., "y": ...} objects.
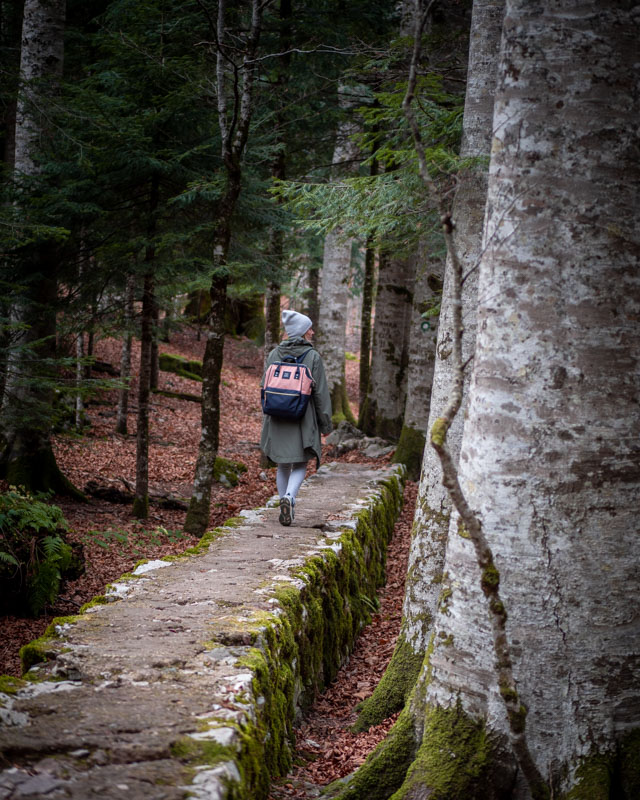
[{"x": 289, "y": 477}]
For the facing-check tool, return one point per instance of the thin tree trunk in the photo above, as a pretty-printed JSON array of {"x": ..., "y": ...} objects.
[
  {"x": 421, "y": 361},
  {"x": 384, "y": 408},
  {"x": 312, "y": 304},
  {"x": 79, "y": 409},
  {"x": 141, "y": 500},
  {"x": 365, "y": 327},
  {"x": 125, "y": 357},
  {"x": 198, "y": 513},
  {"x": 154, "y": 367},
  {"x": 234, "y": 130},
  {"x": 272, "y": 329}
]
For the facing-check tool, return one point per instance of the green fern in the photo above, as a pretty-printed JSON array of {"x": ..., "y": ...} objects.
[
  {"x": 33, "y": 553},
  {"x": 8, "y": 558}
]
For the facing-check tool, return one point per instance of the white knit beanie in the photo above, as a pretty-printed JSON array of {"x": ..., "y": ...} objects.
[{"x": 295, "y": 324}]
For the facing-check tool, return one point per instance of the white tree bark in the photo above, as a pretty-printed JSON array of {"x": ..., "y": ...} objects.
[
  {"x": 336, "y": 270},
  {"x": 431, "y": 522},
  {"x": 41, "y": 58},
  {"x": 550, "y": 458}
]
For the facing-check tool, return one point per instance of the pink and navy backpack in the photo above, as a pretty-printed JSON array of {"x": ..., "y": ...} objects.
[{"x": 287, "y": 388}]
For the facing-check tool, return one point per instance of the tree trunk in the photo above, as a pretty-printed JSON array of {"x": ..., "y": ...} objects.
[
  {"x": 10, "y": 31},
  {"x": 424, "y": 582},
  {"x": 423, "y": 330},
  {"x": 272, "y": 311},
  {"x": 335, "y": 278},
  {"x": 125, "y": 357},
  {"x": 141, "y": 500},
  {"x": 272, "y": 315},
  {"x": 365, "y": 328},
  {"x": 234, "y": 130},
  {"x": 155, "y": 333},
  {"x": 389, "y": 358},
  {"x": 312, "y": 299},
  {"x": 28, "y": 458},
  {"x": 331, "y": 324},
  {"x": 79, "y": 409},
  {"x": 549, "y": 461},
  {"x": 198, "y": 513}
]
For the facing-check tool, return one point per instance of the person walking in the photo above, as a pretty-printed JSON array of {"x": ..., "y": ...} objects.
[{"x": 291, "y": 443}]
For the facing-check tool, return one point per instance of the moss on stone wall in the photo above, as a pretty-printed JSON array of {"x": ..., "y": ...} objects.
[
  {"x": 311, "y": 632},
  {"x": 296, "y": 649}
]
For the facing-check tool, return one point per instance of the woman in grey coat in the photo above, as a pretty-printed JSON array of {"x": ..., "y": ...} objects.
[{"x": 291, "y": 443}]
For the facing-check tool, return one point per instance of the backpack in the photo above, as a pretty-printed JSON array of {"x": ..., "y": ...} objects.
[{"x": 287, "y": 388}]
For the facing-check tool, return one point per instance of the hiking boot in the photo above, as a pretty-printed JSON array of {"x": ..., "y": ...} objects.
[{"x": 286, "y": 511}]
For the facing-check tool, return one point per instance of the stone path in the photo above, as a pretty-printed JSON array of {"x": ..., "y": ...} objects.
[{"x": 189, "y": 684}]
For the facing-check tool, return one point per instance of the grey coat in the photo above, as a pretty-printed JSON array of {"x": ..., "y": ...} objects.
[{"x": 290, "y": 441}]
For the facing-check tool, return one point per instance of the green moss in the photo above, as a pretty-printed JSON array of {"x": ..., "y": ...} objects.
[
  {"x": 462, "y": 531},
  {"x": 616, "y": 773},
  {"x": 628, "y": 765},
  {"x": 443, "y": 600},
  {"x": 490, "y": 579},
  {"x": 10, "y": 685},
  {"x": 98, "y": 600},
  {"x": 410, "y": 450},
  {"x": 593, "y": 779},
  {"x": 141, "y": 507},
  {"x": 439, "y": 431},
  {"x": 453, "y": 760},
  {"x": 180, "y": 366},
  {"x": 393, "y": 689},
  {"x": 227, "y": 470}
]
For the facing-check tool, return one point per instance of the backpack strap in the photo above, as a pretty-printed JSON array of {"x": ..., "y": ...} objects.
[{"x": 301, "y": 358}]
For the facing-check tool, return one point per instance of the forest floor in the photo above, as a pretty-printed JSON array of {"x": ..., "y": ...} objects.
[{"x": 113, "y": 541}]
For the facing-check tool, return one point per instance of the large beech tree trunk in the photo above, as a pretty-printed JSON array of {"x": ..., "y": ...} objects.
[
  {"x": 549, "y": 461},
  {"x": 431, "y": 523},
  {"x": 28, "y": 457}
]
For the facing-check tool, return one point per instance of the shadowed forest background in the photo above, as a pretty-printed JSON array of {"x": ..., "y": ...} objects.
[{"x": 449, "y": 189}]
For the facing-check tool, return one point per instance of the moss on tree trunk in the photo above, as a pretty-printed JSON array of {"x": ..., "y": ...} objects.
[
  {"x": 410, "y": 450},
  {"x": 394, "y": 688}
]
